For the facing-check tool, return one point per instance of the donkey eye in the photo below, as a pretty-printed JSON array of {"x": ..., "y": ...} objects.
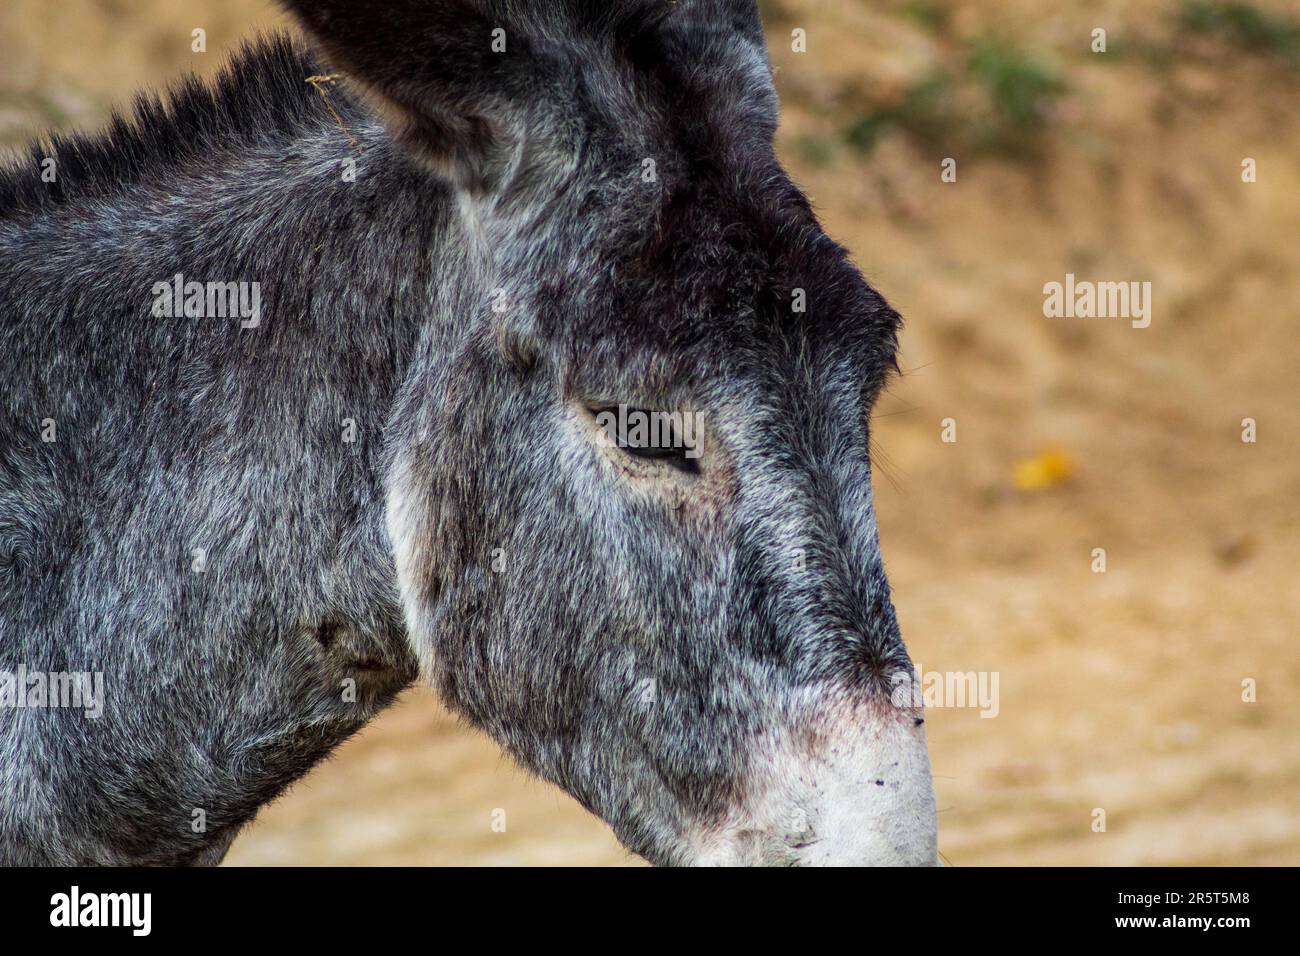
[{"x": 664, "y": 437}]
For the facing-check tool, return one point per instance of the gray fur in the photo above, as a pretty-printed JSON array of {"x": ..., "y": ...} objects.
[{"x": 629, "y": 632}]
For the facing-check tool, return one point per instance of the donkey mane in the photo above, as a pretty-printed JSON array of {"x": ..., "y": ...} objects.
[{"x": 260, "y": 95}]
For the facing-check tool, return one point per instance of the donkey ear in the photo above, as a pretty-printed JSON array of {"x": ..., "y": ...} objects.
[
  {"x": 724, "y": 44},
  {"x": 738, "y": 16},
  {"x": 449, "y": 82}
]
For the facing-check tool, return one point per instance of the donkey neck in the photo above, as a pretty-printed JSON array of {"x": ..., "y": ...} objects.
[{"x": 213, "y": 502}]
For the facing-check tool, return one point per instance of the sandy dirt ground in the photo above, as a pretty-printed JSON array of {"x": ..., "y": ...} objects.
[{"x": 1120, "y": 691}]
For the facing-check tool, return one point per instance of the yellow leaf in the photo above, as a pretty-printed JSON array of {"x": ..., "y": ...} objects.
[{"x": 1047, "y": 470}]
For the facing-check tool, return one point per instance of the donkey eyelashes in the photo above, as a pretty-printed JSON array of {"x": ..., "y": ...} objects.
[{"x": 668, "y": 438}]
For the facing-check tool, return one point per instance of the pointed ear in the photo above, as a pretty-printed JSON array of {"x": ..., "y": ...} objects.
[
  {"x": 450, "y": 82},
  {"x": 722, "y": 43}
]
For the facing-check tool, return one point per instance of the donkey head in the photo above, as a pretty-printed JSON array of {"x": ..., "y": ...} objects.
[{"x": 629, "y": 494}]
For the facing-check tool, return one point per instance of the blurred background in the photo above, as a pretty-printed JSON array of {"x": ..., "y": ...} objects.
[{"x": 1119, "y": 690}]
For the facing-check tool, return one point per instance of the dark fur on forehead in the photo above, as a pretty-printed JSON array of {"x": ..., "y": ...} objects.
[
  {"x": 710, "y": 287},
  {"x": 706, "y": 260}
]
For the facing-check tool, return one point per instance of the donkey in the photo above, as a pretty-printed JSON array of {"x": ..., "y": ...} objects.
[{"x": 447, "y": 241}]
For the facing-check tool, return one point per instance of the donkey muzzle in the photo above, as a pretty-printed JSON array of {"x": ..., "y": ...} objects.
[{"x": 850, "y": 787}]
